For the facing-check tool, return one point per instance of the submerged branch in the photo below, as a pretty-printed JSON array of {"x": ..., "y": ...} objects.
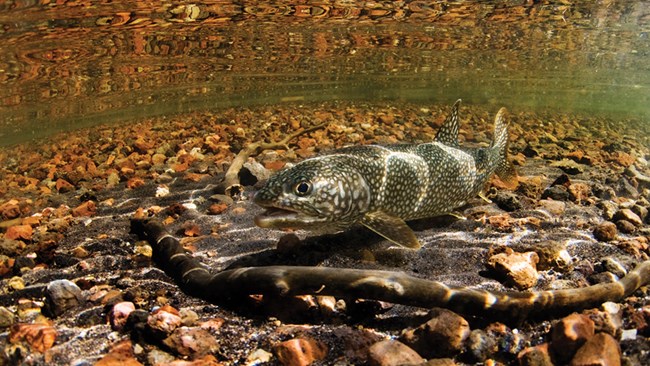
[
  {"x": 231, "y": 185},
  {"x": 197, "y": 280}
]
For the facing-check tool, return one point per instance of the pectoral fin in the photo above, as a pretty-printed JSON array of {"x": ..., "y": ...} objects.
[{"x": 392, "y": 228}]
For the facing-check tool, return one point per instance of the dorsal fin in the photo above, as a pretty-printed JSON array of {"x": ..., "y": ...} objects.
[{"x": 448, "y": 133}]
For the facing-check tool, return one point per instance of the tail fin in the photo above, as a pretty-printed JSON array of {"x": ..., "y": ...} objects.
[{"x": 505, "y": 170}]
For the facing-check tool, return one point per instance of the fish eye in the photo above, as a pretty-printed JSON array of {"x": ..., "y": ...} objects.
[{"x": 302, "y": 188}]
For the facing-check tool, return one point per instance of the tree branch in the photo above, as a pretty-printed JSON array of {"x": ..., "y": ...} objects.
[{"x": 197, "y": 280}]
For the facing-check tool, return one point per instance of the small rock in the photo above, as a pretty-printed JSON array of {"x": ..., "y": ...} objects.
[
  {"x": 120, "y": 354},
  {"x": 189, "y": 317},
  {"x": 535, "y": 356},
  {"x": 63, "y": 186},
  {"x": 612, "y": 265},
  {"x": 601, "y": 349},
  {"x": 481, "y": 345},
  {"x": 288, "y": 243},
  {"x": 300, "y": 351},
  {"x": 608, "y": 319},
  {"x": 641, "y": 211},
  {"x": 390, "y": 352},
  {"x": 87, "y": 208},
  {"x": 120, "y": 313},
  {"x": 441, "y": 336},
  {"x": 555, "y": 208},
  {"x": 16, "y": 283},
  {"x": 217, "y": 208},
  {"x": 605, "y": 231},
  {"x": 62, "y": 295},
  {"x": 569, "y": 334},
  {"x": 569, "y": 166},
  {"x": 519, "y": 269},
  {"x": 258, "y": 356},
  {"x": 552, "y": 254},
  {"x": 628, "y": 215},
  {"x": 6, "y": 317},
  {"x": 579, "y": 192},
  {"x": 134, "y": 183},
  {"x": 625, "y": 226},
  {"x": 191, "y": 341},
  {"x": 39, "y": 337},
  {"x": 507, "y": 201},
  {"x": 609, "y": 209},
  {"x": 164, "y": 320},
  {"x": 19, "y": 232},
  {"x": 557, "y": 193}
]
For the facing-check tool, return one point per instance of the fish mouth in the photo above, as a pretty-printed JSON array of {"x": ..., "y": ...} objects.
[{"x": 279, "y": 217}]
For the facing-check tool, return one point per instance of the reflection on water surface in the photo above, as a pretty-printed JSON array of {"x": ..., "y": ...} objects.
[{"x": 69, "y": 63}]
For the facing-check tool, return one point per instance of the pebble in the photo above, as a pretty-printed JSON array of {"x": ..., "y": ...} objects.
[
  {"x": 625, "y": 226},
  {"x": 39, "y": 337},
  {"x": 120, "y": 354},
  {"x": 579, "y": 192},
  {"x": 441, "y": 336},
  {"x": 628, "y": 215},
  {"x": 552, "y": 254},
  {"x": 612, "y": 265},
  {"x": 601, "y": 349},
  {"x": 557, "y": 193},
  {"x": 507, "y": 201},
  {"x": 300, "y": 351},
  {"x": 609, "y": 209},
  {"x": 120, "y": 313},
  {"x": 535, "y": 356},
  {"x": 640, "y": 211},
  {"x": 556, "y": 208},
  {"x": 164, "y": 320},
  {"x": 518, "y": 268},
  {"x": 217, "y": 208},
  {"x": 481, "y": 345},
  {"x": 189, "y": 317},
  {"x": 6, "y": 317},
  {"x": 16, "y": 283},
  {"x": 191, "y": 341},
  {"x": 569, "y": 166},
  {"x": 19, "y": 232},
  {"x": 607, "y": 319},
  {"x": 62, "y": 295},
  {"x": 259, "y": 356},
  {"x": 605, "y": 231},
  {"x": 88, "y": 208},
  {"x": 569, "y": 334},
  {"x": 391, "y": 352}
]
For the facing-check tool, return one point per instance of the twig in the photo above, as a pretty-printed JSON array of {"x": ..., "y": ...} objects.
[
  {"x": 197, "y": 280},
  {"x": 231, "y": 185}
]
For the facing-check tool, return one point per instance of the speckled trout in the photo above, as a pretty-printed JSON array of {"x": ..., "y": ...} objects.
[{"x": 381, "y": 187}]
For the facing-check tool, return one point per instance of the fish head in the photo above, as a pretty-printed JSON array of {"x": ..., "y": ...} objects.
[{"x": 319, "y": 194}]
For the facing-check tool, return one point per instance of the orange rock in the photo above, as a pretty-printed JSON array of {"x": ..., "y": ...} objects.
[
  {"x": 274, "y": 165},
  {"x": 120, "y": 355},
  {"x": 601, "y": 349},
  {"x": 17, "y": 232},
  {"x": 63, "y": 186},
  {"x": 10, "y": 209},
  {"x": 519, "y": 268},
  {"x": 6, "y": 265},
  {"x": 195, "y": 177},
  {"x": 217, "y": 208},
  {"x": 40, "y": 337},
  {"x": 300, "y": 351},
  {"x": 87, "y": 208},
  {"x": 191, "y": 229},
  {"x": 134, "y": 182},
  {"x": 569, "y": 334}
]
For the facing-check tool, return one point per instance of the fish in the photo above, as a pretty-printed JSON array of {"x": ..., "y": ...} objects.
[{"x": 383, "y": 186}]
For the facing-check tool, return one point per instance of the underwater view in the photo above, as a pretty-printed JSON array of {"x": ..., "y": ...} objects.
[{"x": 324, "y": 182}]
